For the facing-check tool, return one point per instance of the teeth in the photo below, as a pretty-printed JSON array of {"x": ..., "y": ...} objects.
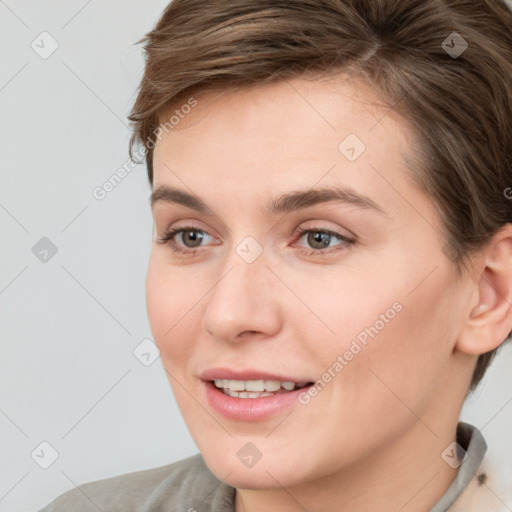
[
  {"x": 272, "y": 385},
  {"x": 234, "y": 385},
  {"x": 255, "y": 388},
  {"x": 247, "y": 394},
  {"x": 254, "y": 385}
]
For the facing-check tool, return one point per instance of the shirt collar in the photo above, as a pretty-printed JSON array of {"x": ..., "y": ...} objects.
[{"x": 470, "y": 439}]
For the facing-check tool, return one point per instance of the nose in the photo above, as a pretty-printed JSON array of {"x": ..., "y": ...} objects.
[{"x": 244, "y": 302}]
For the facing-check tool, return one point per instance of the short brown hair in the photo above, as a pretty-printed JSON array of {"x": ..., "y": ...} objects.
[{"x": 459, "y": 105}]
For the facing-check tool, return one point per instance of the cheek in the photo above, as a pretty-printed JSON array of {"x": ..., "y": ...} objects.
[
  {"x": 388, "y": 339},
  {"x": 159, "y": 302},
  {"x": 402, "y": 365},
  {"x": 170, "y": 313}
]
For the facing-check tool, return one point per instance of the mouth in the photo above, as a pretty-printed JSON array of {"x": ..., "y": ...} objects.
[
  {"x": 252, "y": 400},
  {"x": 256, "y": 388}
]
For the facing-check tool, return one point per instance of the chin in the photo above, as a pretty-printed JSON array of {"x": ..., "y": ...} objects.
[
  {"x": 271, "y": 472},
  {"x": 253, "y": 478}
]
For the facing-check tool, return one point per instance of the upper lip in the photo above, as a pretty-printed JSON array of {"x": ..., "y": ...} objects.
[{"x": 248, "y": 374}]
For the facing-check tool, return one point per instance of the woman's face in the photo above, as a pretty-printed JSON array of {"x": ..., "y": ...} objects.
[{"x": 364, "y": 301}]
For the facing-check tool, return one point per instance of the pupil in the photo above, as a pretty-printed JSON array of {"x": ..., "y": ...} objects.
[
  {"x": 194, "y": 236},
  {"x": 316, "y": 237}
]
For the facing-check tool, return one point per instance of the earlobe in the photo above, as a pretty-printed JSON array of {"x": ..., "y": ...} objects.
[{"x": 490, "y": 319}]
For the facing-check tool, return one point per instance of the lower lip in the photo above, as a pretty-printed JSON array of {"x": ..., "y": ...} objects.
[{"x": 250, "y": 409}]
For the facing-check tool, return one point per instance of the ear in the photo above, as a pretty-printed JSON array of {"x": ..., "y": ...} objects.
[{"x": 489, "y": 320}]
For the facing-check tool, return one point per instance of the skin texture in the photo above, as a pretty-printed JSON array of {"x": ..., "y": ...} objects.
[{"x": 372, "y": 438}]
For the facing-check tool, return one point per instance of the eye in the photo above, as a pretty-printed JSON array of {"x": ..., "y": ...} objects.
[
  {"x": 320, "y": 239},
  {"x": 195, "y": 239}
]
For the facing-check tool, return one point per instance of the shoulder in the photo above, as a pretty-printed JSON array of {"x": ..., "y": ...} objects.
[{"x": 183, "y": 485}]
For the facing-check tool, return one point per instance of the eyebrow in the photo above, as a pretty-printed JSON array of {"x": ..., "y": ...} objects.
[{"x": 285, "y": 203}]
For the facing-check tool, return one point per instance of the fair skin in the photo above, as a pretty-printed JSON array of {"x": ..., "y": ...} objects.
[{"x": 372, "y": 438}]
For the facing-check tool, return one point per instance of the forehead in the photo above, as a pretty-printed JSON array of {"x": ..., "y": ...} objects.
[
  {"x": 281, "y": 136},
  {"x": 321, "y": 110}
]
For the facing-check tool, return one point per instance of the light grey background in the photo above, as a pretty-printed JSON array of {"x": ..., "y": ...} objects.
[{"x": 70, "y": 324}]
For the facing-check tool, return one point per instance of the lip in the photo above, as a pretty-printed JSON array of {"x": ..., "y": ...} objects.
[
  {"x": 249, "y": 374},
  {"x": 248, "y": 409}
]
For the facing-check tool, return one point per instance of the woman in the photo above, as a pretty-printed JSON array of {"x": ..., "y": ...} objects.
[{"x": 331, "y": 273}]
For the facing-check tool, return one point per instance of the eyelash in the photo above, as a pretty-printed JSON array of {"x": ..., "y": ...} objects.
[{"x": 169, "y": 236}]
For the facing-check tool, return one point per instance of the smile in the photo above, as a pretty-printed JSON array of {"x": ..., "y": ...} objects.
[{"x": 256, "y": 388}]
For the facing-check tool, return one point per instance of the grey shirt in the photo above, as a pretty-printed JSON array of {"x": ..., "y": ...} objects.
[{"x": 189, "y": 486}]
